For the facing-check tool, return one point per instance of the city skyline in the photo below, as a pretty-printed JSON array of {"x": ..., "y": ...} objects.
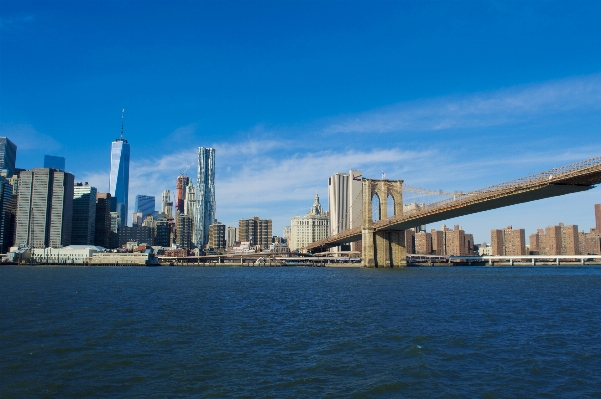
[{"x": 451, "y": 96}]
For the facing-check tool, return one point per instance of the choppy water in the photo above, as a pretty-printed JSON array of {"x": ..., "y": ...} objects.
[{"x": 71, "y": 332}]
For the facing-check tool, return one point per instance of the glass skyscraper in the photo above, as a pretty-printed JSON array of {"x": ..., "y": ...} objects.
[
  {"x": 205, "y": 196},
  {"x": 119, "y": 177},
  {"x": 53, "y": 162},
  {"x": 8, "y": 156},
  {"x": 145, "y": 204}
]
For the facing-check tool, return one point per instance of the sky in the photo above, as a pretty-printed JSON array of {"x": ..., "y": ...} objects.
[{"x": 449, "y": 95}]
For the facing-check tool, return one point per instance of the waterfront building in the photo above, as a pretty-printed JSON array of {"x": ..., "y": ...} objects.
[
  {"x": 591, "y": 243},
  {"x": 90, "y": 255},
  {"x": 45, "y": 208},
  {"x": 7, "y": 215},
  {"x": 204, "y": 215},
  {"x": 233, "y": 236},
  {"x": 438, "y": 246},
  {"x": 279, "y": 247},
  {"x": 508, "y": 242},
  {"x": 423, "y": 243},
  {"x": 410, "y": 241},
  {"x": 139, "y": 234},
  {"x": 102, "y": 225},
  {"x": 84, "y": 214},
  {"x": 255, "y": 231},
  {"x": 8, "y": 157},
  {"x": 162, "y": 233},
  {"x": 448, "y": 242},
  {"x": 183, "y": 234},
  {"x": 53, "y": 162},
  {"x": 119, "y": 177},
  {"x": 559, "y": 240},
  {"x": 569, "y": 240},
  {"x": 145, "y": 205},
  {"x": 71, "y": 254},
  {"x": 306, "y": 229},
  {"x": 484, "y": 250},
  {"x": 598, "y": 218},
  {"x": 217, "y": 236}
]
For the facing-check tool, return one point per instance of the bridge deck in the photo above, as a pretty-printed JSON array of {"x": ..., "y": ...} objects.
[{"x": 569, "y": 179}]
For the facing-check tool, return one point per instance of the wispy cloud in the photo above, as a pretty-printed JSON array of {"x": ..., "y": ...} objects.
[
  {"x": 259, "y": 182},
  {"x": 275, "y": 178},
  {"x": 26, "y": 137},
  {"x": 15, "y": 22},
  {"x": 487, "y": 109}
]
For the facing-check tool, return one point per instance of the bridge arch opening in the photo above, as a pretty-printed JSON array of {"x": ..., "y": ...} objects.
[
  {"x": 375, "y": 208},
  {"x": 389, "y": 206}
]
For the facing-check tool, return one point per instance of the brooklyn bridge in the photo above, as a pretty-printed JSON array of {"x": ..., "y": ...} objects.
[{"x": 382, "y": 241}]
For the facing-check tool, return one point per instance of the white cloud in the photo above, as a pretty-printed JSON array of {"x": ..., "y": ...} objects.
[
  {"x": 26, "y": 137},
  {"x": 477, "y": 110},
  {"x": 277, "y": 179}
]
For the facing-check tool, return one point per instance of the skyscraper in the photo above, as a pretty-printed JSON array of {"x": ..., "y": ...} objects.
[
  {"x": 8, "y": 156},
  {"x": 345, "y": 201},
  {"x": 190, "y": 201},
  {"x": 184, "y": 230},
  {"x": 598, "y": 218},
  {"x": 180, "y": 194},
  {"x": 84, "y": 214},
  {"x": 345, "y": 204},
  {"x": 119, "y": 177},
  {"x": 53, "y": 162},
  {"x": 102, "y": 228},
  {"x": 205, "y": 196},
  {"x": 45, "y": 208},
  {"x": 144, "y": 204},
  {"x": 167, "y": 205},
  {"x": 7, "y": 214}
]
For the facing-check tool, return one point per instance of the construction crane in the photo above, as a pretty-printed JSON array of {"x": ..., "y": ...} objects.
[{"x": 182, "y": 172}]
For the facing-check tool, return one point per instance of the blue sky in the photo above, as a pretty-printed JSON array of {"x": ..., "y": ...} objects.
[{"x": 452, "y": 95}]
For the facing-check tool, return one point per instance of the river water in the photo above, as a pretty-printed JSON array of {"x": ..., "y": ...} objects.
[{"x": 75, "y": 332}]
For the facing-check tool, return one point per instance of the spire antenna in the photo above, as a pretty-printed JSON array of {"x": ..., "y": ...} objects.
[{"x": 122, "y": 112}]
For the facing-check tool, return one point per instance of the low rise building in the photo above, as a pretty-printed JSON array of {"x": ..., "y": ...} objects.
[
  {"x": 314, "y": 226},
  {"x": 217, "y": 236}
]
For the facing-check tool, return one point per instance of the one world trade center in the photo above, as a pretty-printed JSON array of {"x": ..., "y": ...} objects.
[{"x": 119, "y": 176}]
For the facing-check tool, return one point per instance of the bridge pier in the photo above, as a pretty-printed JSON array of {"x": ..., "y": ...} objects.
[
  {"x": 384, "y": 248},
  {"x": 367, "y": 247}
]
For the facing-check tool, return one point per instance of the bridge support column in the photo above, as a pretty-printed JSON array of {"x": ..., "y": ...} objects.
[
  {"x": 367, "y": 247},
  {"x": 388, "y": 249}
]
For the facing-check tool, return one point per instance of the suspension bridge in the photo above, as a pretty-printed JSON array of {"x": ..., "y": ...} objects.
[{"x": 383, "y": 240}]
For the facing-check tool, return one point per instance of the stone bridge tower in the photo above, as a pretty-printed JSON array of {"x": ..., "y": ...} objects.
[{"x": 384, "y": 248}]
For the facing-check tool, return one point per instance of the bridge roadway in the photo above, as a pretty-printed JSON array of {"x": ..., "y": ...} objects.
[{"x": 573, "y": 178}]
